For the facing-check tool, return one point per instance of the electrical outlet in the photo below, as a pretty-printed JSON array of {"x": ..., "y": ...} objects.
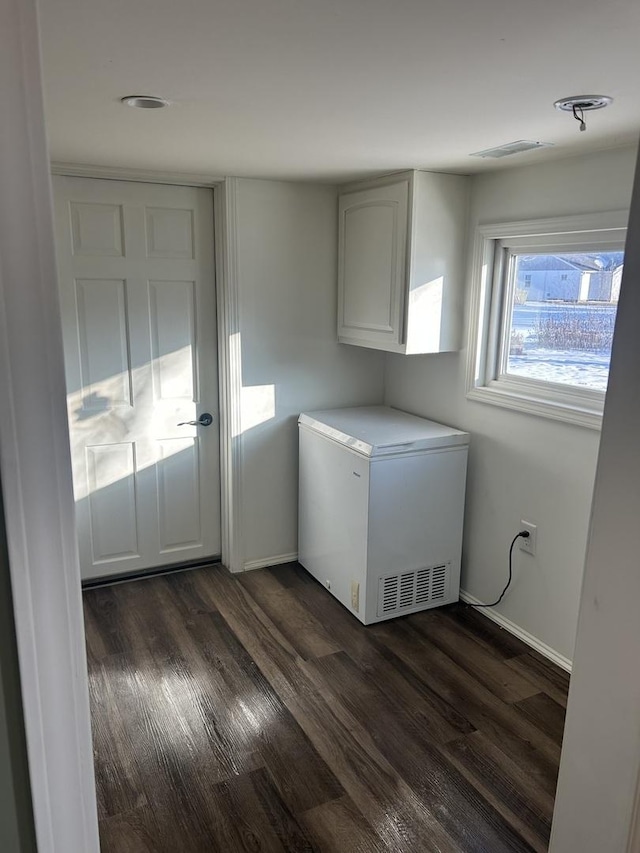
[
  {"x": 528, "y": 545},
  {"x": 355, "y": 595}
]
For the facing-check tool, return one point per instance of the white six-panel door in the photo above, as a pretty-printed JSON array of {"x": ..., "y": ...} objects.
[{"x": 138, "y": 306}]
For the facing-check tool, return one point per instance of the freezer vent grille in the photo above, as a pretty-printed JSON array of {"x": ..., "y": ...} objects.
[{"x": 412, "y": 590}]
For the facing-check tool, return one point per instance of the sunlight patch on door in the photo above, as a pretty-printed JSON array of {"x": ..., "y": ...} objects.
[{"x": 99, "y": 419}]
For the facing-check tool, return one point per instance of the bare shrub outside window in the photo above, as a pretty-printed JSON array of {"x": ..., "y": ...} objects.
[{"x": 561, "y": 324}]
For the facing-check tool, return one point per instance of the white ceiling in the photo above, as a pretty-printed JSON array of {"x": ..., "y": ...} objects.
[{"x": 334, "y": 89}]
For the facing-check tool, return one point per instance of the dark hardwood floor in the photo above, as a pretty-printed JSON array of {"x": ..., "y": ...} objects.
[{"x": 254, "y": 713}]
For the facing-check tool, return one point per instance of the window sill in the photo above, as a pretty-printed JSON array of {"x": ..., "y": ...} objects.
[{"x": 533, "y": 404}]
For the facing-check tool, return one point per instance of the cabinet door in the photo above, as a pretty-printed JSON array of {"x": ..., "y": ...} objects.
[{"x": 372, "y": 265}]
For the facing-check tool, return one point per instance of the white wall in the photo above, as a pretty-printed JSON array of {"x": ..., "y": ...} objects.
[
  {"x": 287, "y": 261},
  {"x": 601, "y": 751},
  {"x": 522, "y": 466}
]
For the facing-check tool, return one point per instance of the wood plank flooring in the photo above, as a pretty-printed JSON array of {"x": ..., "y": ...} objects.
[{"x": 254, "y": 713}]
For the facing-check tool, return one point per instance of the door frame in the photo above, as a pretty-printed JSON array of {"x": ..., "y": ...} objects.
[
  {"x": 228, "y": 331},
  {"x": 35, "y": 463}
]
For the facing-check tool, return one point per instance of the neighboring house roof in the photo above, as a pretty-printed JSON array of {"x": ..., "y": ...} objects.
[{"x": 604, "y": 262}]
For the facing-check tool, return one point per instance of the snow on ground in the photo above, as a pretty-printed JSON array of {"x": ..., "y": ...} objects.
[
  {"x": 586, "y": 369},
  {"x": 568, "y": 367}
]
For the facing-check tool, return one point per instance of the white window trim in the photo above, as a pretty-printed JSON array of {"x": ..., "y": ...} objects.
[{"x": 582, "y": 407}]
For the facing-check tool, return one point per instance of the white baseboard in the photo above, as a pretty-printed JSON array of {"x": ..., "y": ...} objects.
[
  {"x": 519, "y": 632},
  {"x": 270, "y": 561}
]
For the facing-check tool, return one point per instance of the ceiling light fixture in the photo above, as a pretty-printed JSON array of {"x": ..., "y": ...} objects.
[
  {"x": 579, "y": 104},
  {"x": 144, "y": 102}
]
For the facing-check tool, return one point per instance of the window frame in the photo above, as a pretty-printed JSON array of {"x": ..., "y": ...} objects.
[{"x": 487, "y": 381}]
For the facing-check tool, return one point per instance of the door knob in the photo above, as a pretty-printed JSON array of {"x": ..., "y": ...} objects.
[{"x": 205, "y": 419}]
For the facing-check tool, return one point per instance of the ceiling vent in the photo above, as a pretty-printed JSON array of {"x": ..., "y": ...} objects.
[{"x": 511, "y": 148}]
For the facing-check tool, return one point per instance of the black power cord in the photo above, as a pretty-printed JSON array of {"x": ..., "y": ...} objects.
[{"x": 523, "y": 534}]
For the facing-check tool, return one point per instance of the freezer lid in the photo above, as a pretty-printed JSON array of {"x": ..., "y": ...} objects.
[{"x": 380, "y": 430}]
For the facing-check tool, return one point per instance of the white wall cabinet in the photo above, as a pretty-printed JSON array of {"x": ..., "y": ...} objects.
[{"x": 401, "y": 262}]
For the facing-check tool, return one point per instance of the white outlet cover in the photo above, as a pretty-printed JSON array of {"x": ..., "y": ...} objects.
[{"x": 529, "y": 544}]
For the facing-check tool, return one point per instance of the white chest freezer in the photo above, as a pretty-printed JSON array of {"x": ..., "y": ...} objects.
[{"x": 381, "y": 509}]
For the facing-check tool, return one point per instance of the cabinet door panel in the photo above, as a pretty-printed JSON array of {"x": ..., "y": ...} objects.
[{"x": 372, "y": 266}]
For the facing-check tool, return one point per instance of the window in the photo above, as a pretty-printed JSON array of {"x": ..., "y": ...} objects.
[{"x": 545, "y": 300}]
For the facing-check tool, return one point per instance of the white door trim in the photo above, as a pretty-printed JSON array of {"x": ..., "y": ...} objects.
[
  {"x": 230, "y": 372},
  {"x": 121, "y": 173},
  {"x": 35, "y": 462}
]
